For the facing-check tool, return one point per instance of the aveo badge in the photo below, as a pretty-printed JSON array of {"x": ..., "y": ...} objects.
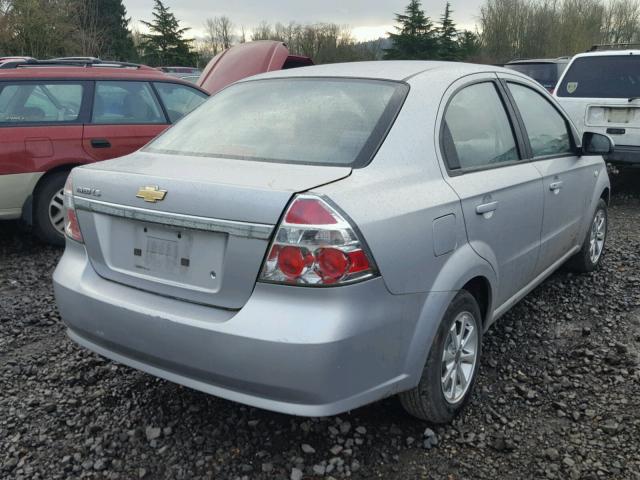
[{"x": 571, "y": 87}]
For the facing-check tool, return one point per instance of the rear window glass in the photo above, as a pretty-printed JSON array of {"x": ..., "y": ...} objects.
[
  {"x": 294, "y": 120},
  {"x": 616, "y": 76},
  {"x": 544, "y": 73}
]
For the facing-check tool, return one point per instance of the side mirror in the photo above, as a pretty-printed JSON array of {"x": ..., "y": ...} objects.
[{"x": 596, "y": 144}]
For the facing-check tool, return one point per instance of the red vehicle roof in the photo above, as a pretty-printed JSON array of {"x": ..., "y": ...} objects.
[{"x": 88, "y": 73}]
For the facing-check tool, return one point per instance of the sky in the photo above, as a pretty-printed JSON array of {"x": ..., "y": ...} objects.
[{"x": 368, "y": 19}]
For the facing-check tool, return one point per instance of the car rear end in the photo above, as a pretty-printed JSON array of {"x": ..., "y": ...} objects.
[
  {"x": 217, "y": 263},
  {"x": 601, "y": 93}
]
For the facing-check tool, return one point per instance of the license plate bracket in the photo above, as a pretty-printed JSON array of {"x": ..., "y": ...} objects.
[
  {"x": 161, "y": 249},
  {"x": 620, "y": 115}
]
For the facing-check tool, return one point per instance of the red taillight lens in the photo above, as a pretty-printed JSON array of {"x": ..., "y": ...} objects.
[
  {"x": 309, "y": 211},
  {"x": 71, "y": 225},
  {"x": 315, "y": 245},
  {"x": 332, "y": 263},
  {"x": 293, "y": 260}
]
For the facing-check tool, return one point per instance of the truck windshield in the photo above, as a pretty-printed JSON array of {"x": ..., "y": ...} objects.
[{"x": 320, "y": 121}]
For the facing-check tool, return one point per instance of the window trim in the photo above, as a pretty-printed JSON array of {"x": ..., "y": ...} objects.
[
  {"x": 82, "y": 113},
  {"x": 529, "y": 151},
  {"x": 510, "y": 113},
  {"x": 154, "y": 95},
  {"x": 164, "y": 107},
  {"x": 370, "y": 148}
]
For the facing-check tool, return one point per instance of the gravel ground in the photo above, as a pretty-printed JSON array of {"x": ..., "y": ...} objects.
[{"x": 558, "y": 394}]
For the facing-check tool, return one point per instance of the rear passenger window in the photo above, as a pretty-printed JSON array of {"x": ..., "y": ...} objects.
[
  {"x": 125, "y": 102},
  {"x": 40, "y": 102},
  {"x": 477, "y": 132},
  {"x": 178, "y": 99},
  {"x": 547, "y": 130}
]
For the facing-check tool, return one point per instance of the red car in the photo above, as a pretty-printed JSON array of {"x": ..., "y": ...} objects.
[{"x": 55, "y": 115}]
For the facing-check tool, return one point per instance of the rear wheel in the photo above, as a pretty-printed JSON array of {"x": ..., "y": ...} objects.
[
  {"x": 589, "y": 256},
  {"x": 48, "y": 209},
  {"x": 451, "y": 368}
]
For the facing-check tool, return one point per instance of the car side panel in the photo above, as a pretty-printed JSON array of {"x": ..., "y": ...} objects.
[
  {"x": 30, "y": 149},
  {"x": 103, "y": 142},
  {"x": 602, "y": 183},
  {"x": 565, "y": 207},
  {"x": 14, "y": 191}
]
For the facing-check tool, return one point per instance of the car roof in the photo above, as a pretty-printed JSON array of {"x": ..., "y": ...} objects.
[
  {"x": 608, "y": 53},
  {"x": 394, "y": 70},
  {"x": 86, "y": 73},
  {"x": 539, "y": 60}
]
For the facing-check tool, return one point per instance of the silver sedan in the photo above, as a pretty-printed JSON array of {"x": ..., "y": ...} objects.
[{"x": 312, "y": 240}]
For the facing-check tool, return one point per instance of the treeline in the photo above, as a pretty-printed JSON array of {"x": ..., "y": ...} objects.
[
  {"x": 101, "y": 28},
  {"x": 507, "y": 29},
  {"x": 52, "y": 28},
  {"x": 415, "y": 36},
  {"x": 551, "y": 28},
  {"x": 324, "y": 42}
]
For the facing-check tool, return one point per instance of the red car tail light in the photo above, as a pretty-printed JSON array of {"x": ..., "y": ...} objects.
[
  {"x": 315, "y": 245},
  {"x": 71, "y": 225}
]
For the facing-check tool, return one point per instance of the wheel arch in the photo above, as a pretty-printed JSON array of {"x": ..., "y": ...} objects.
[
  {"x": 480, "y": 287},
  {"x": 465, "y": 270}
]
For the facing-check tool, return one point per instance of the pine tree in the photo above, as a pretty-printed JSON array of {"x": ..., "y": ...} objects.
[
  {"x": 448, "y": 48},
  {"x": 166, "y": 45},
  {"x": 415, "y": 36},
  {"x": 469, "y": 45},
  {"x": 117, "y": 39}
]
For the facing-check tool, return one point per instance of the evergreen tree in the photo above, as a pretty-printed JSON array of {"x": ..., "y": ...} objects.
[
  {"x": 166, "y": 45},
  {"x": 415, "y": 37},
  {"x": 469, "y": 45},
  {"x": 448, "y": 48},
  {"x": 117, "y": 41}
]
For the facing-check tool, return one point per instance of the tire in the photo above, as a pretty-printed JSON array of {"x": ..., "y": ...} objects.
[
  {"x": 47, "y": 206},
  {"x": 428, "y": 400},
  {"x": 585, "y": 261}
]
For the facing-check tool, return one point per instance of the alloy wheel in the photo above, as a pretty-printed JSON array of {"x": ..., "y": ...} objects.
[
  {"x": 459, "y": 357},
  {"x": 597, "y": 236},
  {"x": 56, "y": 211}
]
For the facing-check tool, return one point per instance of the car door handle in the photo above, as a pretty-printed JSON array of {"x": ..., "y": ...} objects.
[
  {"x": 486, "y": 208},
  {"x": 555, "y": 186},
  {"x": 100, "y": 143}
]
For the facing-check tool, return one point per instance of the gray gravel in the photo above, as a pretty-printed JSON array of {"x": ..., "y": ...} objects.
[{"x": 558, "y": 394}]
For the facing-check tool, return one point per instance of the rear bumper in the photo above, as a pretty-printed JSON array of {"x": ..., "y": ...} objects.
[
  {"x": 299, "y": 351},
  {"x": 625, "y": 155}
]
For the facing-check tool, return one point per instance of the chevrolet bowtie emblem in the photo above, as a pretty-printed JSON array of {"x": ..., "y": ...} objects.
[{"x": 151, "y": 194}]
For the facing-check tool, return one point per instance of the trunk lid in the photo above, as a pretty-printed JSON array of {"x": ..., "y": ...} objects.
[
  {"x": 248, "y": 59},
  {"x": 204, "y": 237}
]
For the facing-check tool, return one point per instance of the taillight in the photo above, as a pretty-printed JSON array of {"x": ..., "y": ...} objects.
[
  {"x": 71, "y": 225},
  {"x": 314, "y": 245}
]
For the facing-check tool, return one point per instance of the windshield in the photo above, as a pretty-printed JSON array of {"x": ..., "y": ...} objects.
[
  {"x": 544, "y": 73},
  {"x": 611, "y": 76},
  {"x": 319, "y": 121}
]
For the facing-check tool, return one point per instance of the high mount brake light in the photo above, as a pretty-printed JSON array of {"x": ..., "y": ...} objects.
[
  {"x": 315, "y": 246},
  {"x": 71, "y": 225}
]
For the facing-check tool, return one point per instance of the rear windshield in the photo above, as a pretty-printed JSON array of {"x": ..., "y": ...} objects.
[
  {"x": 544, "y": 73},
  {"x": 318, "y": 121},
  {"x": 616, "y": 76}
]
